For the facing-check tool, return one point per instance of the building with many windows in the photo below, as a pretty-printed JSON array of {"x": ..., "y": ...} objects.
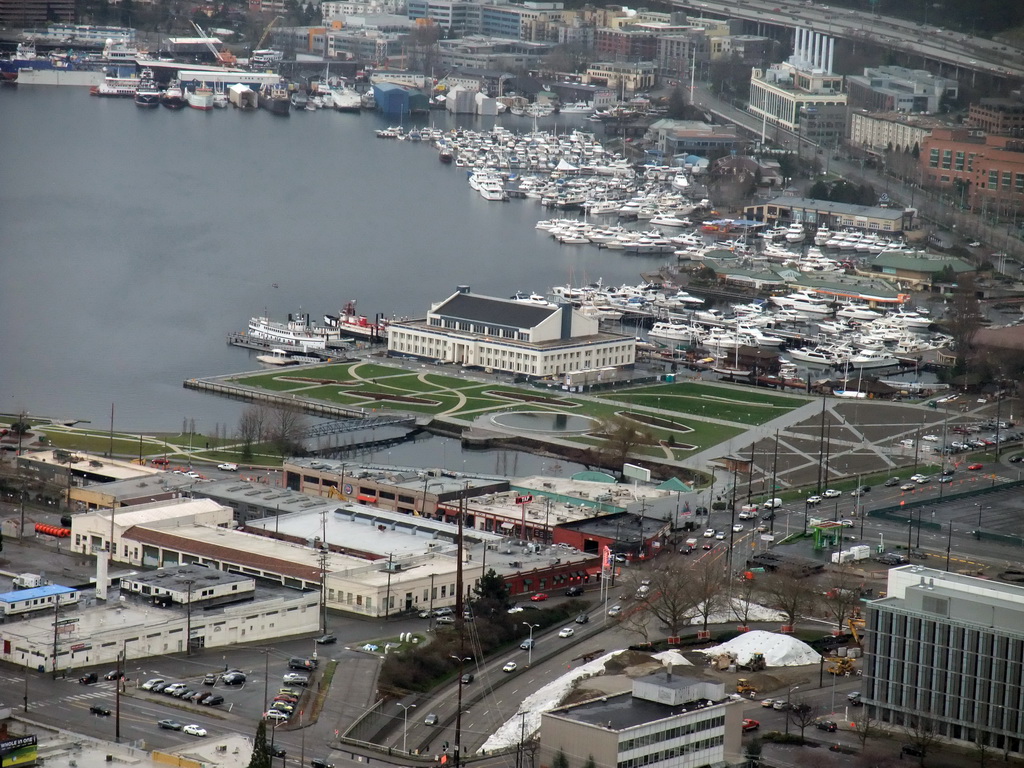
[
  {"x": 693, "y": 137},
  {"x": 1004, "y": 117},
  {"x": 780, "y": 93},
  {"x": 810, "y": 212},
  {"x": 877, "y": 132},
  {"x": 666, "y": 721},
  {"x": 946, "y": 652},
  {"x": 455, "y": 17},
  {"x": 515, "y": 337},
  {"x": 625, "y": 76},
  {"x": 981, "y": 171},
  {"x": 899, "y": 89}
]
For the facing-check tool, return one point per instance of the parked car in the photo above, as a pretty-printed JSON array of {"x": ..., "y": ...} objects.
[
  {"x": 149, "y": 685},
  {"x": 444, "y": 620},
  {"x": 293, "y": 678},
  {"x": 210, "y": 678},
  {"x": 750, "y": 725},
  {"x": 214, "y": 700},
  {"x": 275, "y": 714},
  {"x": 234, "y": 678},
  {"x": 826, "y": 725}
]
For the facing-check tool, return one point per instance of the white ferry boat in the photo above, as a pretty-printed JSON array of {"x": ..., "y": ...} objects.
[{"x": 295, "y": 333}]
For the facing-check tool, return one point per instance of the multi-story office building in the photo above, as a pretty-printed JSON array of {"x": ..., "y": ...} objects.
[
  {"x": 877, "y": 132},
  {"x": 779, "y": 94},
  {"x": 666, "y": 721},
  {"x": 1000, "y": 116},
  {"x": 625, "y": 77},
  {"x": 946, "y": 652},
  {"x": 26, "y": 13},
  {"x": 899, "y": 89},
  {"x": 456, "y": 17},
  {"x": 983, "y": 171},
  {"x": 625, "y": 45}
]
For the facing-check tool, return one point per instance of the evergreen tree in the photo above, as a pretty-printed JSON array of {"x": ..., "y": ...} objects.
[
  {"x": 590, "y": 762},
  {"x": 492, "y": 587},
  {"x": 676, "y": 104},
  {"x": 560, "y": 761},
  {"x": 260, "y": 750}
]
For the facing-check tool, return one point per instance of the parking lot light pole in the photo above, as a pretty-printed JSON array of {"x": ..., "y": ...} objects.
[
  {"x": 458, "y": 715},
  {"x": 529, "y": 651},
  {"x": 405, "y": 726},
  {"x": 789, "y": 695}
]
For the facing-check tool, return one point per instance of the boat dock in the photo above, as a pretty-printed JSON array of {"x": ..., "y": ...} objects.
[{"x": 336, "y": 351}]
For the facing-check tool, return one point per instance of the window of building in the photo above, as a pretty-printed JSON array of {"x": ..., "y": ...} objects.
[
  {"x": 993, "y": 179},
  {"x": 933, "y": 158}
]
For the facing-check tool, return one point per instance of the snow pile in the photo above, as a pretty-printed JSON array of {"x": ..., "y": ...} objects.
[
  {"x": 778, "y": 650},
  {"x": 752, "y": 611},
  {"x": 673, "y": 657},
  {"x": 551, "y": 696}
]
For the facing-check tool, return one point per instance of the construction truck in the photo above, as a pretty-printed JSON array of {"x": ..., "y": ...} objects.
[
  {"x": 756, "y": 662},
  {"x": 840, "y": 665},
  {"x": 743, "y": 686},
  {"x": 856, "y": 627}
]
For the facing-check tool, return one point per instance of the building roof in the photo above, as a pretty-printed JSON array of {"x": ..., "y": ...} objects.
[
  {"x": 33, "y": 593},
  {"x": 925, "y": 263},
  {"x": 487, "y": 309},
  {"x": 624, "y": 527},
  {"x": 138, "y": 487},
  {"x": 181, "y": 578},
  {"x": 92, "y": 465},
  {"x": 1010, "y": 337},
  {"x": 622, "y": 711},
  {"x": 159, "y": 511},
  {"x": 841, "y": 209}
]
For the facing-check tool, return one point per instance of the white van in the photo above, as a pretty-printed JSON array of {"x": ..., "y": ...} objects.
[{"x": 771, "y": 503}]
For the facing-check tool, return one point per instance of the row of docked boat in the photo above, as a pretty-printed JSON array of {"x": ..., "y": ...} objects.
[{"x": 849, "y": 240}]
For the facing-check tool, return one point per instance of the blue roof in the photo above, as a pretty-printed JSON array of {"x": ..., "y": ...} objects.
[{"x": 35, "y": 592}]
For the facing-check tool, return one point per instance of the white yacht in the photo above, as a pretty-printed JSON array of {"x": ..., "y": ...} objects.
[
  {"x": 814, "y": 356},
  {"x": 822, "y": 235},
  {"x": 795, "y": 233},
  {"x": 872, "y": 358},
  {"x": 295, "y": 333}
]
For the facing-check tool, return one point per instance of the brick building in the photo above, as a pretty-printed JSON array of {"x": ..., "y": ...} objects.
[
  {"x": 982, "y": 171},
  {"x": 999, "y": 116},
  {"x": 625, "y": 45}
]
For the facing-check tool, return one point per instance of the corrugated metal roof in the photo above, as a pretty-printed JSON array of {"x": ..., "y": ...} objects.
[
  {"x": 920, "y": 263},
  {"x": 487, "y": 309}
]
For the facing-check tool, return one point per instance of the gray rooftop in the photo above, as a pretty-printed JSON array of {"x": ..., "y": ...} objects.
[
  {"x": 488, "y": 309},
  {"x": 623, "y": 711},
  {"x": 843, "y": 209},
  {"x": 625, "y": 527},
  {"x": 178, "y": 578}
]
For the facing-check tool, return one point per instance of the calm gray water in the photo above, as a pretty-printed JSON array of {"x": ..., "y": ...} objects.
[{"x": 132, "y": 241}]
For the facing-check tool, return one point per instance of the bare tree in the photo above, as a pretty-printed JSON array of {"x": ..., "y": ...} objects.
[
  {"x": 983, "y": 751},
  {"x": 707, "y": 579},
  {"x": 802, "y": 714},
  {"x": 621, "y": 436},
  {"x": 743, "y": 599},
  {"x": 842, "y": 593},
  {"x": 284, "y": 429},
  {"x": 866, "y": 726},
  {"x": 251, "y": 428},
  {"x": 638, "y": 622},
  {"x": 672, "y": 597},
  {"x": 964, "y": 320},
  {"x": 789, "y": 593},
  {"x": 922, "y": 735}
]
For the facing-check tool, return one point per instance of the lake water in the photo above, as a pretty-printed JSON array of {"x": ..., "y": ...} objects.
[{"x": 132, "y": 241}]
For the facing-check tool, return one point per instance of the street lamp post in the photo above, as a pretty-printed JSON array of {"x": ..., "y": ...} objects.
[
  {"x": 529, "y": 657},
  {"x": 405, "y": 726},
  {"x": 789, "y": 695},
  {"x": 458, "y": 715}
]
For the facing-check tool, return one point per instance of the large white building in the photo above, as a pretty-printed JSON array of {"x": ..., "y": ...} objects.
[
  {"x": 946, "y": 653},
  {"x": 781, "y": 93},
  {"x": 515, "y": 337}
]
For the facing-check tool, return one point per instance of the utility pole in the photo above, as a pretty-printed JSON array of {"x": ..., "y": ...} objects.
[
  {"x": 188, "y": 617},
  {"x": 56, "y": 627},
  {"x": 322, "y": 559}
]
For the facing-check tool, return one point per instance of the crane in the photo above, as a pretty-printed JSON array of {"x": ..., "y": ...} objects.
[
  {"x": 221, "y": 57},
  {"x": 266, "y": 32}
]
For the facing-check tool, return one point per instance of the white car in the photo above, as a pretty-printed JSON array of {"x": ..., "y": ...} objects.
[
  {"x": 930, "y": 438},
  {"x": 515, "y": 609},
  {"x": 275, "y": 714},
  {"x": 720, "y": 535},
  {"x": 509, "y": 667},
  {"x": 832, "y": 493},
  {"x": 150, "y": 684},
  {"x": 194, "y": 475},
  {"x": 194, "y": 730},
  {"x": 747, "y": 515},
  {"x": 737, "y": 528},
  {"x": 814, "y": 499},
  {"x": 846, "y": 523},
  {"x": 709, "y": 533},
  {"x": 567, "y": 632},
  {"x": 615, "y": 610},
  {"x": 227, "y": 466}
]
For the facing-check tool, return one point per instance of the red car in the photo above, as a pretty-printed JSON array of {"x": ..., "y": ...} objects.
[
  {"x": 160, "y": 462},
  {"x": 539, "y": 597},
  {"x": 750, "y": 725},
  {"x": 975, "y": 466}
]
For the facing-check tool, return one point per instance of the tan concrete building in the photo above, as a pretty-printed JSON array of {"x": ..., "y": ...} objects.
[{"x": 877, "y": 132}]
